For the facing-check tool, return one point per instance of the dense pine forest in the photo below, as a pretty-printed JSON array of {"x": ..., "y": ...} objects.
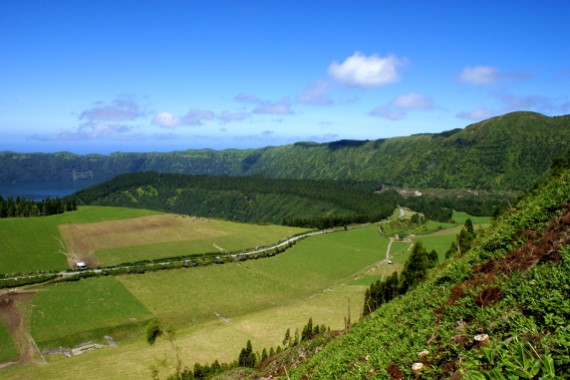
[{"x": 21, "y": 207}]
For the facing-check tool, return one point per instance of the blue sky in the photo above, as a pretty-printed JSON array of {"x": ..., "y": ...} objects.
[{"x": 105, "y": 76}]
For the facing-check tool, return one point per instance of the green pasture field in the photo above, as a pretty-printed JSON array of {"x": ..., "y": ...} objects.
[
  {"x": 8, "y": 350},
  {"x": 34, "y": 244},
  {"x": 310, "y": 266},
  {"x": 65, "y": 314},
  {"x": 230, "y": 237},
  {"x": 31, "y": 244},
  {"x": 215, "y": 309},
  {"x": 459, "y": 217}
]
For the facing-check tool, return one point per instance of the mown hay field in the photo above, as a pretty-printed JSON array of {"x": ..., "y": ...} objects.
[{"x": 167, "y": 235}]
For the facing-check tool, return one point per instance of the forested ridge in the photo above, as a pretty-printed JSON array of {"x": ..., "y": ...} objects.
[
  {"x": 508, "y": 152},
  {"x": 294, "y": 202},
  {"x": 247, "y": 199}
]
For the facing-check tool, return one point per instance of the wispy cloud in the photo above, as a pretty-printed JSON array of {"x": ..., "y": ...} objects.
[
  {"x": 228, "y": 116},
  {"x": 264, "y": 107},
  {"x": 386, "y": 112},
  {"x": 120, "y": 109},
  {"x": 538, "y": 103},
  {"x": 477, "y": 114},
  {"x": 412, "y": 101},
  {"x": 247, "y": 98},
  {"x": 315, "y": 94},
  {"x": 484, "y": 75},
  {"x": 92, "y": 131},
  {"x": 366, "y": 71},
  {"x": 282, "y": 107},
  {"x": 397, "y": 107}
]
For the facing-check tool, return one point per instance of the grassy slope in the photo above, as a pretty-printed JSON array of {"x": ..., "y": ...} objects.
[
  {"x": 68, "y": 313},
  {"x": 399, "y": 330}
]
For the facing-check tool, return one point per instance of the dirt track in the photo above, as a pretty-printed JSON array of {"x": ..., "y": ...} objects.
[{"x": 17, "y": 325}]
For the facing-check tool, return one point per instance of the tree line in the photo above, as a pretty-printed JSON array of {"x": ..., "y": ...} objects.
[
  {"x": 22, "y": 207},
  {"x": 415, "y": 270}
]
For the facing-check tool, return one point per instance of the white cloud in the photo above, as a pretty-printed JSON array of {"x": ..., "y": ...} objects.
[
  {"x": 480, "y": 75},
  {"x": 366, "y": 71},
  {"x": 387, "y": 113},
  {"x": 194, "y": 117},
  {"x": 282, "y": 107},
  {"x": 477, "y": 114},
  {"x": 166, "y": 120},
  {"x": 120, "y": 109},
  {"x": 315, "y": 94},
  {"x": 413, "y": 101}
]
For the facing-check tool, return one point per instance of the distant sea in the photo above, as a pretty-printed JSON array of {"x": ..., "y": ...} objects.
[{"x": 37, "y": 191}]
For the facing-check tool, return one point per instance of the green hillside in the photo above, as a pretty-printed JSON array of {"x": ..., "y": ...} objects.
[
  {"x": 499, "y": 311},
  {"x": 508, "y": 152}
]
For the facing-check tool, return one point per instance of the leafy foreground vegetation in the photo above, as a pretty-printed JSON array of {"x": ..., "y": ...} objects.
[
  {"x": 508, "y": 152},
  {"x": 498, "y": 311}
]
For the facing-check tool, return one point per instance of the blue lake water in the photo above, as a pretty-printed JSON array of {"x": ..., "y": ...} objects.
[{"x": 39, "y": 190}]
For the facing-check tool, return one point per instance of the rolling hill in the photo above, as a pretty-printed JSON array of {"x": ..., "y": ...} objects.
[{"x": 508, "y": 152}]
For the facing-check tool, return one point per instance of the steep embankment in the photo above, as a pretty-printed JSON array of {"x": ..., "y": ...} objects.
[
  {"x": 500, "y": 310},
  {"x": 507, "y": 152}
]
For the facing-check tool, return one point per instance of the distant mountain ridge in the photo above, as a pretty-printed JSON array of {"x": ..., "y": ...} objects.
[{"x": 508, "y": 152}]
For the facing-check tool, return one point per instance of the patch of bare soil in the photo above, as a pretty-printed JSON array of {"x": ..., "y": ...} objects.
[{"x": 16, "y": 323}]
